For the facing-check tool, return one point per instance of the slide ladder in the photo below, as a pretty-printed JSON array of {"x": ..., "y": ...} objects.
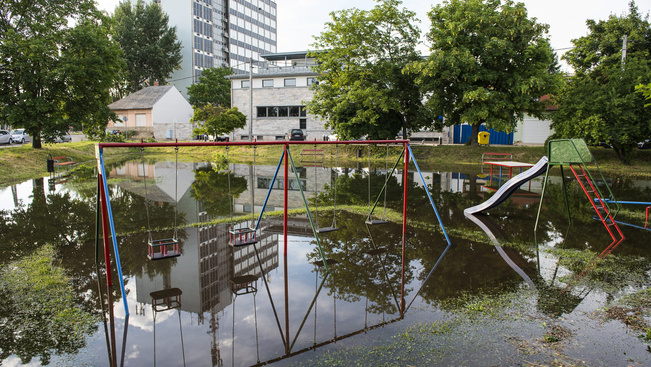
[{"x": 599, "y": 205}]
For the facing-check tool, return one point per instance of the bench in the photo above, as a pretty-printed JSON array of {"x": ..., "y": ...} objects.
[{"x": 58, "y": 162}]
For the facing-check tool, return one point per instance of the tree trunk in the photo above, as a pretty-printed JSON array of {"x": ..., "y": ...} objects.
[
  {"x": 36, "y": 142},
  {"x": 474, "y": 135}
]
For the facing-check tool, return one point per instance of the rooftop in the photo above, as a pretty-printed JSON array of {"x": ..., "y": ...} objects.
[{"x": 142, "y": 99}]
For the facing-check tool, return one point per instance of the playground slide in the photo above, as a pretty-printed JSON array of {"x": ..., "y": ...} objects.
[
  {"x": 490, "y": 228},
  {"x": 509, "y": 187}
]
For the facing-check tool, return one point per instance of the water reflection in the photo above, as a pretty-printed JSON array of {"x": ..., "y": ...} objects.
[{"x": 218, "y": 321}]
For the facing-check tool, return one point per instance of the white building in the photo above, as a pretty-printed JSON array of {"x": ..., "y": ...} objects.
[
  {"x": 216, "y": 33},
  {"x": 281, "y": 86},
  {"x": 160, "y": 112}
]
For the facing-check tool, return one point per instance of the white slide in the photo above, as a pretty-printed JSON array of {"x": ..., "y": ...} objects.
[{"x": 509, "y": 187}]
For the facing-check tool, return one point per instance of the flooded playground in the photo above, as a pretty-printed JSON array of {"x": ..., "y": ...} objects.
[{"x": 366, "y": 291}]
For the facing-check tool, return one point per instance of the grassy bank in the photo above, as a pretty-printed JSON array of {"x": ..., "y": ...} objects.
[{"x": 23, "y": 163}]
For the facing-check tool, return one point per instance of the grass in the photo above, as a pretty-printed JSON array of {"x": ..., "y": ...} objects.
[{"x": 23, "y": 163}]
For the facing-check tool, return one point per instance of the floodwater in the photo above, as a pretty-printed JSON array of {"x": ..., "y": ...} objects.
[{"x": 497, "y": 296}]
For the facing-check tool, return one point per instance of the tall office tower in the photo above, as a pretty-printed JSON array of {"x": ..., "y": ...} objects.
[{"x": 216, "y": 33}]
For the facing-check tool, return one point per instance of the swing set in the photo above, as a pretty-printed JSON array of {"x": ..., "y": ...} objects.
[{"x": 247, "y": 235}]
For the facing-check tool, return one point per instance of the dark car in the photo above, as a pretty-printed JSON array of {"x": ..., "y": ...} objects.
[
  {"x": 646, "y": 144},
  {"x": 296, "y": 134}
]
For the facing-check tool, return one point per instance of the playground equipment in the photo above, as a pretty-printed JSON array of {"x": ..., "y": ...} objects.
[
  {"x": 510, "y": 187},
  {"x": 575, "y": 154},
  {"x": 108, "y": 225},
  {"x": 242, "y": 285},
  {"x": 163, "y": 300},
  {"x": 333, "y": 226},
  {"x": 169, "y": 247}
]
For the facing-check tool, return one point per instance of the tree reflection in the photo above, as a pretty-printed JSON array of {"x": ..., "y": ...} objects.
[
  {"x": 38, "y": 309},
  {"x": 216, "y": 189},
  {"x": 358, "y": 274}
]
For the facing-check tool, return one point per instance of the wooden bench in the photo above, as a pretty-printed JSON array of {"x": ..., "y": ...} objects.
[{"x": 58, "y": 162}]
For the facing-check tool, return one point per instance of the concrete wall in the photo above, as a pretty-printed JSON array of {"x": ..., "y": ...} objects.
[
  {"x": 180, "y": 13},
  {"x": 268, "y": 128},
  {"x": 172, "y": 112}
]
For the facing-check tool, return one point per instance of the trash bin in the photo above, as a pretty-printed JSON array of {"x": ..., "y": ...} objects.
[{"x": 483, "y": 137}]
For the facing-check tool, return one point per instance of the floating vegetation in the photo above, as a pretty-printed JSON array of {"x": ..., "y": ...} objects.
[{"x": 38, "y": 310}]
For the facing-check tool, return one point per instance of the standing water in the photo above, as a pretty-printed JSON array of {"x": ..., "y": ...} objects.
[{"x": 498, "y": 296}]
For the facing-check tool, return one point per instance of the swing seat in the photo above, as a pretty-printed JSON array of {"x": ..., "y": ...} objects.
[
  {"x": 376, "y": 221},
  {"x": 242, "y": 237},
  {"x": 169, "y": 248},
  {"x": 326, "y": 229},
  {"x": 166, "y": 299},
  {"x": 244, "y": 284}
]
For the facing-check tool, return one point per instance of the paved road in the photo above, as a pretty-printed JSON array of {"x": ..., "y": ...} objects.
[{"x": 74, "y": 137}]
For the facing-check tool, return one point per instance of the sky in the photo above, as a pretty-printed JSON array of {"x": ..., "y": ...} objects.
[{"x": 300, "y": 20}]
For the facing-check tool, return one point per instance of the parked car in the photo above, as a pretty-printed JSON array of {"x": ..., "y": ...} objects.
[
  {"x": 297, "y": 134},
  {"x": 5, "y": 137},
  {"x": 646, "y": 144},
  {"x": 19, "y": 136},
  {"x": 65, "y": 138}
]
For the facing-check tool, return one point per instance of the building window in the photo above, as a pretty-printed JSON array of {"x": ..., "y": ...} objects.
[
  {"x": 311, "y": 81},
  {"x": 267, "y": 83},
  {"x": 198, "y": 59},
  {"x": 290, "y": 82},
  {"x": 281, "y": 111},
  {"x": 141, "y": 119},
  {"x": 247, "y": 84},
  {"x": 303, "y": 124}
]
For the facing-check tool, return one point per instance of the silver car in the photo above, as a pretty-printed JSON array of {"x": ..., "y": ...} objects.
[
  {"x": 19, "y": 136},
  {"x": 5, "y": 137},
  {"x": 65, "y": 138}
]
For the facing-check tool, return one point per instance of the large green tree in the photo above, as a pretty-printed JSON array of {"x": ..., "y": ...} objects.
[
  {"x": 212, "y": 88},
  {"x": 53, "y": 76},
  {"x": 216, "y": 120},
  {"x": 600, "y": 102},
  {"x": 362, "y": 89},
  {"x": 489, "y": 64},
  {"x": 150, "y": 47}
]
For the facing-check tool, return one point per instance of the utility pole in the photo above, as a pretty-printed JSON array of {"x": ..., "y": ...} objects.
[{"x": 251, "y": 98}]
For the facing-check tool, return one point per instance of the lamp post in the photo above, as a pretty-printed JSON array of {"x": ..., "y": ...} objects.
[{"x": 251, "y": 98}]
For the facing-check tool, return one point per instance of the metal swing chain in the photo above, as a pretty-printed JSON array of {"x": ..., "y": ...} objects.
[
  {"x": 176, "y": 192},
  {"x": 255, "y": 149},
  {"x": 369, "y": 183},
  {"x": 230, "y": 196},
  {"x": 142, "y": 154},
  {"x": 334, "y": 211},
  {"x": 386, "y": 178},
  {"x": 255, "y": 313},
  {"x": 316, "y": 191}
]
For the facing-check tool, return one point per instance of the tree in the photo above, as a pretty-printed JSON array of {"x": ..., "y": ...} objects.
[
  {"x": 150, "y": 48},
  {"x": 53, "y": 76},
  {"x": 600, "y": 102},
  {"x": 489, "y": 64},
  {"x": 362, "y": 89},
  {"x": 212, "y": 88},
  {"x": 217, "y": 120}
]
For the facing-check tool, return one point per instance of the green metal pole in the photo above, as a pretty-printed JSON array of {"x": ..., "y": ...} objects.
[
  {"x": 567, "y": 201},
  {"x": 542, "y": 197}
]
